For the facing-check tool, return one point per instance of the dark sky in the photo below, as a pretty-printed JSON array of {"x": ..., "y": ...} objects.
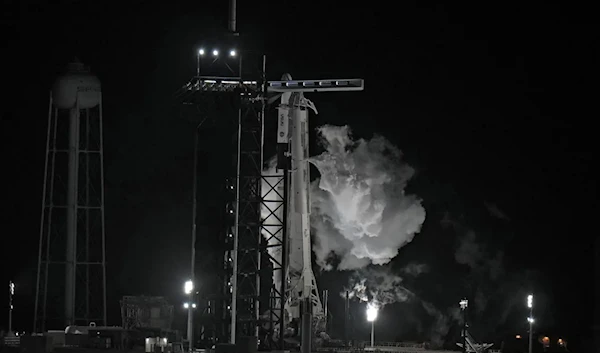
[{"x": 489, "y": 102}]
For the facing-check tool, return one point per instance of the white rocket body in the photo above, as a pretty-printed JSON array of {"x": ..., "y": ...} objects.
[
  {"x": 293, "y": 129},
  {"x": 293, "y": 141}
]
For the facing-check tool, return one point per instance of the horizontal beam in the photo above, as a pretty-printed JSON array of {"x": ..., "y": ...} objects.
[
  {"x": 219, "y": 84},
  {"x": 211, "y": 83},
  {"x": 330, "y": 85}
]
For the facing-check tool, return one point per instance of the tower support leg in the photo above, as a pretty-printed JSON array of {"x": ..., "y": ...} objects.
[
  {"x": 71, "y": 244},
  {"x": 306, "y": 326}
]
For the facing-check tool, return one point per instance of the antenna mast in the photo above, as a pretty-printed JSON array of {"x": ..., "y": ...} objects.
[{"x": 233, "y": 17}]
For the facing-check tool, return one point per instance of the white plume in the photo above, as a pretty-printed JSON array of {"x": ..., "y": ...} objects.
[
  {"x": 360, "y": 212},
  {"x": 377, "y": 286}
]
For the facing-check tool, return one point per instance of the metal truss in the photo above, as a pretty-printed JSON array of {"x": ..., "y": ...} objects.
[
  {"x": 246, "y": 281},
  {"x": 258, "y": 252},
  {"x": 250, "y": 302},
  {"x": 89, "y": 301},
  {"x": 255, "y": 249},
  {"x": 274, "y": 219},
  {"x": 216, "y": 118},
  {"x": 230, "y": 84}
]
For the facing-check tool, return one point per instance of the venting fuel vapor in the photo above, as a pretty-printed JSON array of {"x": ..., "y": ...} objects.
[{"x": 361, "y": 213}]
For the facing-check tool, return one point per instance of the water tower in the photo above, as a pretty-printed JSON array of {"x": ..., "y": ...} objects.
[{"x": 71, "y": 277}]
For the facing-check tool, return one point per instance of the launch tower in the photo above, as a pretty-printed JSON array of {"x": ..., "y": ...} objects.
[
  {"x": 266, "y": 237},
  {"x": 71, "y": 276}
]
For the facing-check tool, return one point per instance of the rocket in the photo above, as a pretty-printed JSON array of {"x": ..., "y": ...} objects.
[
  {"x": 302, "y": 300},
  {"x": 293, "y": 141}
]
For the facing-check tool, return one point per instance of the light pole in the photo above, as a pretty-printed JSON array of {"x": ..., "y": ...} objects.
[
  {"x": 11, "y": 293},
  {"x": 189, "y": 285},
  {"x": 464, "y": 304},
  {"x": 372, "y": 311},
  {"x": 530, "y": 319},
  {"x": 188, "y": 288}
]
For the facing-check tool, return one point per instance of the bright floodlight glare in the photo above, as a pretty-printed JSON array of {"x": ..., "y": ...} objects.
[
  {"x": 188, "y": 287},
  {"x": 232, "y": 53},
  {"x": 186, "y": 305},
  {"x": 371, "y": 312},
  {"x": 201, "y": 51},
  {"x": 530, "y": 301},
  {"x": 194, "y": 305},
  {"x": 531, "y": 320},
  {"x": 464, "y": 303},
  {"x": 215, "y": 52}
]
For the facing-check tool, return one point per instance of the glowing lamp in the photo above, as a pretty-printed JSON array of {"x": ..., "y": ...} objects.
[
  {"x": 372, "y": 311},
  {"x": 546, "y": 341},
  {"x": 188, "y": 287}
]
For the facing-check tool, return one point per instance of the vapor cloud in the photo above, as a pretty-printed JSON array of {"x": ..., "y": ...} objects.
[
  {"x": 377, "y": 286},
  {"x": 361, "y": 214},
  {"x": 442, "y": 322},
  {"x": 414, "y": 269},
  {"x": 495, "y": 211},
  {"x": 380, "y": 286},
  {"x": 494, "y": 292}
]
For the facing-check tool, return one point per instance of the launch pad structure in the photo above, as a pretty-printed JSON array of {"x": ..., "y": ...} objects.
[
  {"x": 261, "y": 206},
  {"x": 268, "y": 216}
]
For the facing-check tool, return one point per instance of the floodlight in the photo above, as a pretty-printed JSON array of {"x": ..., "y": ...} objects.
[
  {"x": 372, "y": 311},
  {"x": 188, "y": 287}
]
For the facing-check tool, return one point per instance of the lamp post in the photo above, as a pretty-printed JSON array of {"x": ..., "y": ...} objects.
[
  {"x": 189, "y": 285},
  {"x": 11, "y": 293},
  {"x": 530, "y": 319},
  {"x": 464, "y": 304},
  {"x": 188, "y": 288},
  {"x": 372, "y": 311}
]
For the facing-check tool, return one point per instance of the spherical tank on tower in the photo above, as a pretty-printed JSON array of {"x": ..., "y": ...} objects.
[{"x": 77, "y": 87}]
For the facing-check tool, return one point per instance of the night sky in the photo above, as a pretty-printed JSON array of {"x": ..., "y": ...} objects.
[{"x": 488, "y": 102}]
